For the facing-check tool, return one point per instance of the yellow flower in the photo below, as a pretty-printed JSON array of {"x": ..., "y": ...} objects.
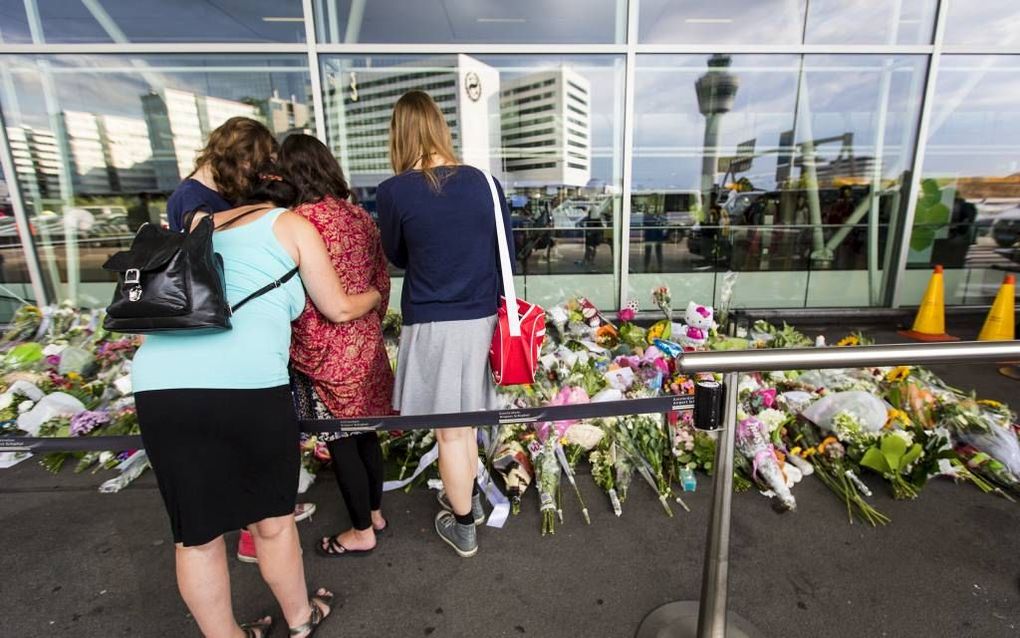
[
  {"x": 898, "y": 373},
  {"x": 73, "y": 376},
  {"x": 849, "y": 340},
  {"x": 829, "y": 440},
  {"x": 896, "y": 416},
  {"x": 796, "y": 451},
  {"x": 990, "y": 403}
]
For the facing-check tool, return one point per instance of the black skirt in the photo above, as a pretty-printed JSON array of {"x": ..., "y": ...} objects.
[{"x": 223, "y": 458}]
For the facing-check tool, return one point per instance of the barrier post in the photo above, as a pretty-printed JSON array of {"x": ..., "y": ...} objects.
[{"x": 708, "y": 617}]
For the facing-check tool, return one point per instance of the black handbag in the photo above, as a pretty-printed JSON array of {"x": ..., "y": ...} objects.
[{"x": 172, "y": 281}]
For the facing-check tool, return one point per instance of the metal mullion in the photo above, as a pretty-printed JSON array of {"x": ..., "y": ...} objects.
[
  {"x": 792, "y": 49},
  {"x": 980, "y": 49},
  {"x": 21, "y": 217},
  {"x": 314, "y": 72},
  {"x": 359, "y": 48},
  {"x": 153, "y": 48},
  {"x": 894, "y": 287},
  {"x": 630, "y": 63}
]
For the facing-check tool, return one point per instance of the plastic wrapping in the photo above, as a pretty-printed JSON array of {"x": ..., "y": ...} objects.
[
  {"x": 999, "y": 442},
  {"x": 868, "y": 409},
  {"x": 754, "y": 445}
]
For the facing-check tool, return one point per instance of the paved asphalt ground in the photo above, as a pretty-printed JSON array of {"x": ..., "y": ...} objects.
[{"x": 78, "y": 563}]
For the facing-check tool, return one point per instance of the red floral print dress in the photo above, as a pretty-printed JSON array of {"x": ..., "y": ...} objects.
[{"x": 347, "y": 362}]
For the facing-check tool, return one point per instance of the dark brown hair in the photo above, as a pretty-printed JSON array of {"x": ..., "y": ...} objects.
[
  {"x": 270, "y": 185},
  {"x": 234, "y": 153},
  {"x": 307, "y": 164}
]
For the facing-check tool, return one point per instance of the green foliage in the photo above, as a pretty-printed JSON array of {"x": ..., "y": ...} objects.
[{"x": 931, "y": 215}]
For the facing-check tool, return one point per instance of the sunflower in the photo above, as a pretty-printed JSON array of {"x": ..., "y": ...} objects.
[
  {"x": 898, "y": 373},
  {"x": 849, "y": 340},
  {"x": 896, "y": 417}
]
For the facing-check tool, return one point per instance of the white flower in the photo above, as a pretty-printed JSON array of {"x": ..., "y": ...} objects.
[
  {"x": 53, "y": 349},
  {"x": 741, "y": 415},
  {"x": 905, "y": 435},
  {"x": 585, "y": 435},
  {"x": 772, "y": 418},
  {"x": 106, "y": 457},
  {"x": 747, "y": 385},
  {"x": 25, "y": 406}
]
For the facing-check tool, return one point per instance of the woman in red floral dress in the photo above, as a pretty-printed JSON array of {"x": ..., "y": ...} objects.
[{"x": 346, "y": 363}]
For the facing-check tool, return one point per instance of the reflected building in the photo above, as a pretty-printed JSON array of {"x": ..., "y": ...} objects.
[
  {"x": 37, "y": 160},
  {"x": 546, "y": 129},
  {"x": 108, "y": 153},
  {"x": 178, "y": 123},
  {"x": 360, "y": 103},
  {"x": 284, "y": 116}
]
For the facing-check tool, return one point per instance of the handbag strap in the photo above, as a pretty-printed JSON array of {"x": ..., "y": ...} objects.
[
  {"x": 505, "y": 268},
  {"x": 264, "y": 289}
]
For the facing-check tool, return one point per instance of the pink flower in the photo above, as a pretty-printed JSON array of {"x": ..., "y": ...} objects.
[{"x": 626, "y": 314}]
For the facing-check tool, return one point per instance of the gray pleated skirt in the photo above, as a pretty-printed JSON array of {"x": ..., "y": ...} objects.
[{"x": 443, "y": 367}]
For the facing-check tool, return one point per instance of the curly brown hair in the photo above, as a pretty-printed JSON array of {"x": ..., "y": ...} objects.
[{"x": 234, "y": 152}]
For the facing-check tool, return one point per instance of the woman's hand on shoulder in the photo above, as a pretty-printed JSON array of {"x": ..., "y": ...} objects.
[{"x": 300, "y": 238}]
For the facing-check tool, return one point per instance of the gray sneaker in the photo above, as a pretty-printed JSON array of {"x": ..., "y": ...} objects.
[
  {"x": 477, "y": 511},
  {"x": 462, "y": 538}
]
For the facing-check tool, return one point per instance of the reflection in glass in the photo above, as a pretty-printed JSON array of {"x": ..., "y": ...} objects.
[
  {"x": 105, "y": 21},
  {"x": 548, "y": 126},
  {"x": 471, "y": 21},
  {"x": 770, "y": 163},
  {"x": 786, "y": 21},
  {"x": 968, "y": 210},
  {"x": 989, "y": 22},
  {"x": 99, "y": 142}
]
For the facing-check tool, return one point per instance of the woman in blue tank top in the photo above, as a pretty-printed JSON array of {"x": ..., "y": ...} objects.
[{"x": 217, "y": 419}]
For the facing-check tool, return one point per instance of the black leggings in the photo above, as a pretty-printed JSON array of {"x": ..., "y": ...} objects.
[{"x": 358, "y": 466}]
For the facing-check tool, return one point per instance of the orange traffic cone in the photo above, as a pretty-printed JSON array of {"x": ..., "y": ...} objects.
[
  {"x": 1000, "y": 326},
  {"x": 930, "y": 322}
]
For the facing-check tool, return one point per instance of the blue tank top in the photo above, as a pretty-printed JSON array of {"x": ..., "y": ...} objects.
[{"x": 255, "y": 352}]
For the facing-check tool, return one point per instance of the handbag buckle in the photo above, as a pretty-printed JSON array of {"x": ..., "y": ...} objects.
[{"x": 133, "y": 276}]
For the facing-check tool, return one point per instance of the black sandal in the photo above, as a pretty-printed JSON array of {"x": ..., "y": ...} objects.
[
  {"x": 317, "y": 614},
  {"x": 263, "y": 627},
  {"x": 334, "y": 549}
]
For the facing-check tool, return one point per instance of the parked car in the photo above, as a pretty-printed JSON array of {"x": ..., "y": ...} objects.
[{"x": 1006, "y": 227}]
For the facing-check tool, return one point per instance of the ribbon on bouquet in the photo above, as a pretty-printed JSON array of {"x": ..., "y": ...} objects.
[{"x": 426, "y": 460}]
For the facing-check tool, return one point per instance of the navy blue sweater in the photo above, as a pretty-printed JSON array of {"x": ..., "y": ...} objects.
[
  {"x": 191, "y": 195},
  {"x": 445, "y": 242}
]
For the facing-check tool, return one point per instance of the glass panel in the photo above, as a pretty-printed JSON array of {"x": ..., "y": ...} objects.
[
  {"x": 786, "y": 21},
  {"x": 471, "y": 21},
  {"x": 778, "y": 165},
  {"x": 989, "y": 22},
  {"x": 968, "y": 213},
  {"x": 39, "y": 21},
  {"x": 15, "y": 285},
  {"x": 100, "y": 141},
  {"x": 548, "y": 126}
]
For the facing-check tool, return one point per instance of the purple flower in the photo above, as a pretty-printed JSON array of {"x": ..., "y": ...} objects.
[
  {"x": 84, "y": 422},
  {"x": 53, "y": 360}
]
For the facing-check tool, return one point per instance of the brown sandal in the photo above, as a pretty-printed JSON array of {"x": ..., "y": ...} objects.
[{"x": 317, "y": 614}]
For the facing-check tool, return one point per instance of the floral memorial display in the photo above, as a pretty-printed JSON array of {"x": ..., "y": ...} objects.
[{"x": 62, "y": 375}]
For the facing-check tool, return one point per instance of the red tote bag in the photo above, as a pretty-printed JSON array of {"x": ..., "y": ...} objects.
[{"x": 520, "y": 326}]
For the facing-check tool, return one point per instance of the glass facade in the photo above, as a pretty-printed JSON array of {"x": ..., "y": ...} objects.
[{"x": 829, "y": 152}]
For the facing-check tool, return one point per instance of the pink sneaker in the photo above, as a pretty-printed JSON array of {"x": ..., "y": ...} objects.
[{"x": 246, "y": 548}]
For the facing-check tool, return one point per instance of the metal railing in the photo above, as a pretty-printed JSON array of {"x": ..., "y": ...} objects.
[{"x": 708, "y": 617}]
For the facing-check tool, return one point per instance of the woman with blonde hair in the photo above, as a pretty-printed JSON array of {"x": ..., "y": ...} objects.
[{"x": 437, "y": 223}]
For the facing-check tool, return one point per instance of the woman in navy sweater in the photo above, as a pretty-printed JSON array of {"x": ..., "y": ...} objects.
[{"x": 438, "y": 224}]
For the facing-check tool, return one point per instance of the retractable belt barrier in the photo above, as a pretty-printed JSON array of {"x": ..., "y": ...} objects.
[{"x": 392, "y": 423}]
